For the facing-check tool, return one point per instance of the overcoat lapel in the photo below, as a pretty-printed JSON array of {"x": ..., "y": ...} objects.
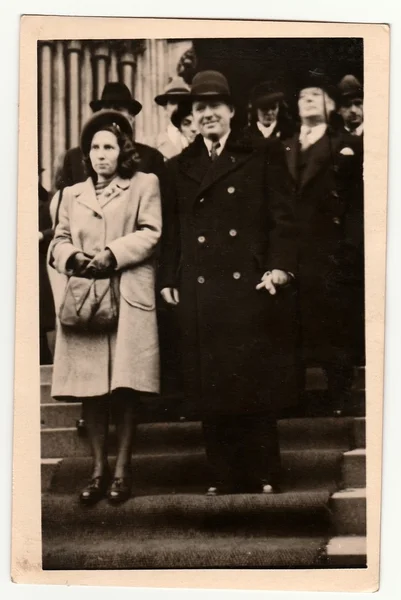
[
  {"x": 291, "y": 152},
  {"x": 85, "y": 193}
]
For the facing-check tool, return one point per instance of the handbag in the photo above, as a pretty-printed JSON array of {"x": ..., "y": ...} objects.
[{"x": 90, "y": 304}]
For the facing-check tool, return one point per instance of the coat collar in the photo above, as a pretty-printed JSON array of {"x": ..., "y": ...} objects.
[
  {"x": 194, "y": 161},
  {"x": 321, "y": 151},
  {"x": 85, "y": 193}
]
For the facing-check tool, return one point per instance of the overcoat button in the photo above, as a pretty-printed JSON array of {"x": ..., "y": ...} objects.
[
  {"x": 233, "y": 232},
  {"x": 237, "y": 275},
  {"x": 335, "y": 194},
  {"x": 231, "y": 189},
  {"x": 95, "y": 214},
  {"x": 336, "y": 221},
  {"x": 201, "y": 239},
  {"x": 201, "y": 279},
  {"x": 202, "y": 200}
]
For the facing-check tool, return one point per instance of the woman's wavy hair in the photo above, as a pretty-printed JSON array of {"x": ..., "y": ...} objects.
[{"x": 128, "y": 159}]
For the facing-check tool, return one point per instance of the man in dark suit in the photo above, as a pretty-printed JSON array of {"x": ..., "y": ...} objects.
[
  {"x": 323, "y": 163},
  {"x": 229, "y": 244},
  {"x": 115, "y": 96},
  {"x": 351, "y": 104}
]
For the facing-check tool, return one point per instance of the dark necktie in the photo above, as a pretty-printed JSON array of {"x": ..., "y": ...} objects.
[{"x": 213, "y": 151}]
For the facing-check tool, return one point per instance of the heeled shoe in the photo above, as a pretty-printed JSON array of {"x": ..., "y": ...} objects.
[
  {"x": 95, "y": 490},
  {"x": 120, "y": 490}
]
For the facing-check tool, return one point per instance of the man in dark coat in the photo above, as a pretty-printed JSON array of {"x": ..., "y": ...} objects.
[
  {"x": 268, "y": 113},
  {"x": 115, "y": 96},
  {"x": 228, "y": 247},
  {"x": 324, "y": 164},
  {"x": 46, "y": 304}
]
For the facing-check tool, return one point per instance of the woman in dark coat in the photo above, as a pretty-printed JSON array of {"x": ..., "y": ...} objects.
[
  {"x": 229, "y": 221},
  {"x": 46, "y": 303},
  {"x": 269, "y": 115}
]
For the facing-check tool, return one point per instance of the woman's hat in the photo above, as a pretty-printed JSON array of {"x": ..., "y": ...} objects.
[
  {"x": 264, "y": 94},
  {"x": 318, "y": 79},
  {"x": 181, "y": 112},
  {"x": 350, "y": 87},
  {"x": 209, "y": 83},
  {"x": 116, "y": 94},
  {"x": 174, "y": 91},
  {"x": 99, "y": 121}
]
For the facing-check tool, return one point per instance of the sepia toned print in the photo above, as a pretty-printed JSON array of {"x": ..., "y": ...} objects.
[{"x": 204, "y": 342}]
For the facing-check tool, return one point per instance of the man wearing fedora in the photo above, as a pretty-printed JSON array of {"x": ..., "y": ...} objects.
[
  {"x": 171, "y": 141},
  {"x": 115, "y": 96},
  {"x": 228, "y": 249},
  {"x": 323, "y": 164},
  {"x": 351, "y": 104}
]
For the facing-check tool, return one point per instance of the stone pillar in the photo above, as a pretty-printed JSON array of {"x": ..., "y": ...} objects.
[
  {"x": 74, "y": 50},
  {"x": 87, "y": 84},
  {"x": 101, "y": 57},
  {"x": 46, "y": 125},
  {"x": 59, "y": 113}
]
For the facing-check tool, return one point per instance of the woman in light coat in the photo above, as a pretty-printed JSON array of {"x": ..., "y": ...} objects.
[{"x": 109, "y": 226}]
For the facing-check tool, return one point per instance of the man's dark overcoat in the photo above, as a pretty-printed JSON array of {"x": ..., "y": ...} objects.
[
  {"x": 225, "y": 224},
  {"x": 329, "y": 206}
]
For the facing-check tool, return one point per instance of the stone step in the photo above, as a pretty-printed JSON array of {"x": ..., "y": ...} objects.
[
  {"x": 347, "y": 552},
  {"x": 354, "y": 468},
  {"x": 185, "y": 472},
  {"x": 348, "y": 508},
  {"x": 324, "y": 433}
]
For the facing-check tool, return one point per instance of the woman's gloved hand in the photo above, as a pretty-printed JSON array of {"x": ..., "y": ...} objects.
[
  {"x": 102, "y": 264},
  {"x": 79, "y": 263}
]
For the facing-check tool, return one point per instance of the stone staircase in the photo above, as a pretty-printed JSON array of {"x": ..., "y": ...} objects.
[{"x": 319, "y": 520}]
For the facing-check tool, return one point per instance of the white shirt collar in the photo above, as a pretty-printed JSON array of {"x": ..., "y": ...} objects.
[
  {"x": 316, "y": 132},
  {"x": 222, "y": 140},
  {"x": 266, "y": 131},
  {"x": 358, "y": 131}
]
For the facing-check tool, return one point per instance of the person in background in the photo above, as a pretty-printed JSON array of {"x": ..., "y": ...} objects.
[
  {"x": 115, "y": 96},
  {"x": 183, "y": 119},
  {"x": 323, "y": 165},
  {"x": 171, "y": 141},
  {"x": 46, "y": 303},
  {"x": 351, "y": 104},
  {"x": 269, "y": 115},
  {"x": 109, "y": 227},
  {"x": 228, "y": 248}
]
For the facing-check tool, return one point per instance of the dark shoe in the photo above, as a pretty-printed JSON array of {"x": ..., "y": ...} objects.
[
  {"x": 95, "y": 490},
  {"x": 120, "y": 490}
]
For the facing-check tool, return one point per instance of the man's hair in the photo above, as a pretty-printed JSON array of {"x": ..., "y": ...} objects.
[{"x": 128, "y": 159}]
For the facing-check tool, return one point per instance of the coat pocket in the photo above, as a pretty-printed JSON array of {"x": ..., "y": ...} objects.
[{"x": 137, "y": 286}]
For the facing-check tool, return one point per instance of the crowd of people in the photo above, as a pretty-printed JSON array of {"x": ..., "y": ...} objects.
[{"x": 251, "y": 237}]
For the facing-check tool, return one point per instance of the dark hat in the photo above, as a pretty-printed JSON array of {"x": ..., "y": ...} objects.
[
  {"x": 210, "y": 83},
  {"x": 116, "y": 94},
  {"x": 174, "y": 91},
  {"x": 183, "y": 110},
  {"x": 100, "y": 120},
  {"x": 350, "y": 87},
  {"x": 318, "y": 79},
  {"x": 265, "y": 94}
]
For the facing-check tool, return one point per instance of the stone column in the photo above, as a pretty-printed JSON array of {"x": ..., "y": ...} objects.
[
  {"x": 87, "y": 81},
  {"x": 74, "y": 50},
  {"x": 59, "y": 115},
  {"x": 101, "y": 56},
  {"x": 45, "y": 135}
]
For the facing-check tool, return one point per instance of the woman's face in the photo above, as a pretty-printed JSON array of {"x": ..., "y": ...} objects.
[
  {"x": 188, "y": 128},
  {"x": 103, "y": 154},
  {"x": 268, "y": 115}
]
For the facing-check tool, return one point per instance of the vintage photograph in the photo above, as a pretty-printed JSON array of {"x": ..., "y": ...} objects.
[{"x": 201, "y": 300}]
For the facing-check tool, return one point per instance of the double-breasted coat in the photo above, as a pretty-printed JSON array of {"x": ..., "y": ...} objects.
[
  {"x": 126, "y": 218},
  {"x": 328, "y": 181},
  {"x": 226, "y": 223}
]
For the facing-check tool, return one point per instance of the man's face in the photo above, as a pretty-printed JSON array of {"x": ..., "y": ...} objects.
[
  {"x": 170, "y": 107},
  {"x": 268, "y": 114},
  {"x": 352, "y": 112},
  {"x": 212, "y": 118},
  {"x": 313, "y": 102}
]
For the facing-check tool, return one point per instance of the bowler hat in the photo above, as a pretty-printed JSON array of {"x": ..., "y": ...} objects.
[
  {"x": 209, "y": 83},
  {"x": 116, "y": 94},
  {"x": 174, "y": 91},
  {"x": 100, "y": 120},
  {"x": 318, "y": 79},
  {"x": 350, "y": 87},
  {"x": 265, "y": 94}
]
